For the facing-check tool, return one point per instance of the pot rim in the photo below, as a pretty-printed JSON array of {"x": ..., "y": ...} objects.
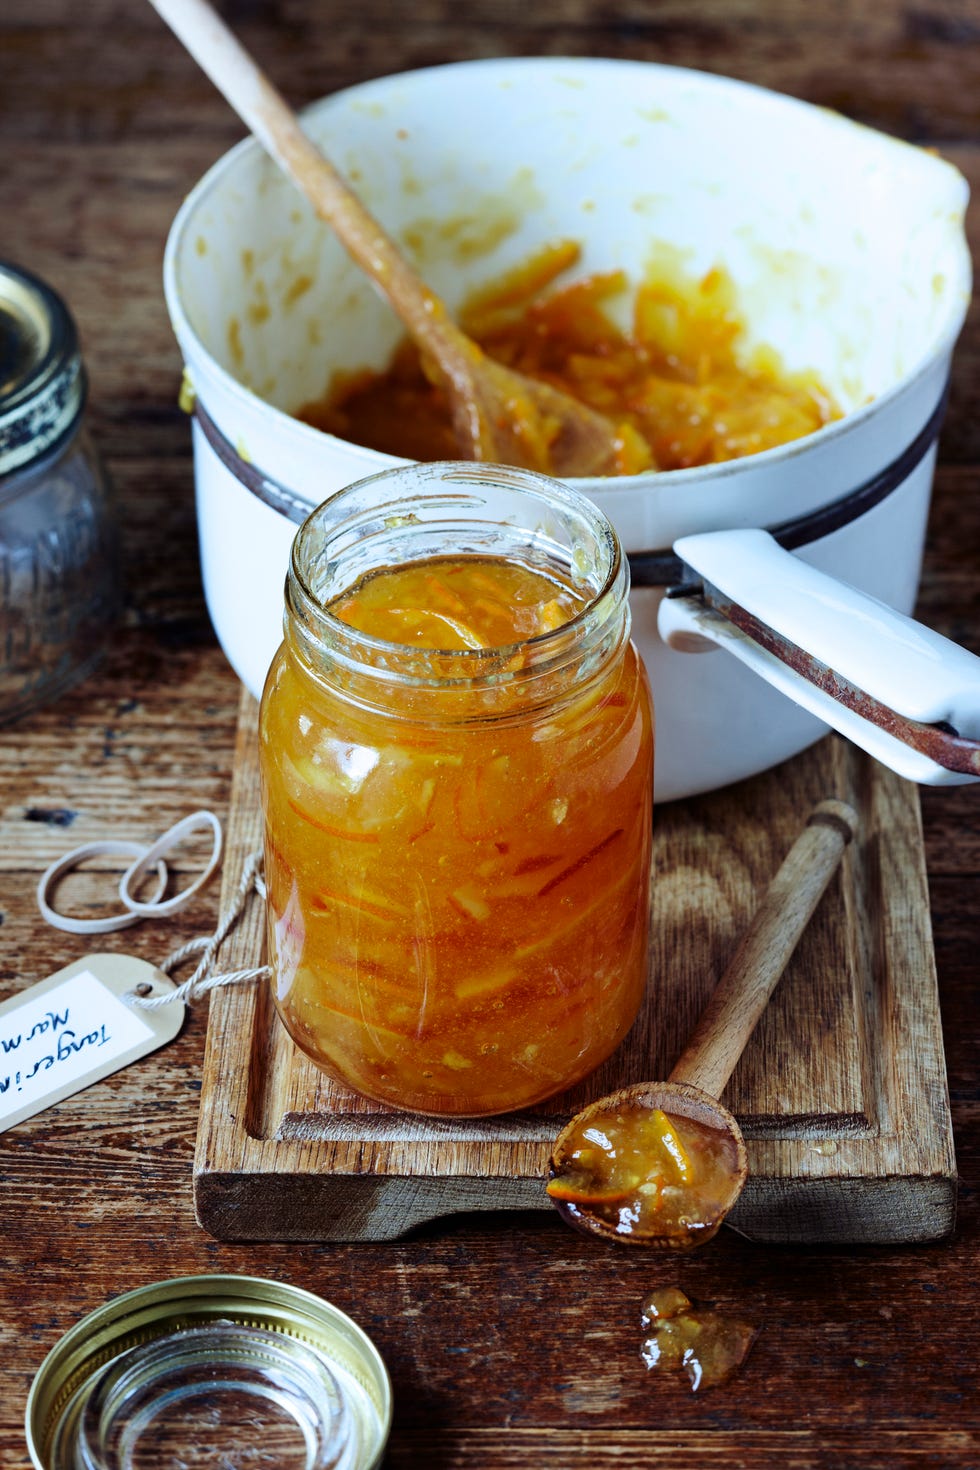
[{"x": 374, "y": 461}]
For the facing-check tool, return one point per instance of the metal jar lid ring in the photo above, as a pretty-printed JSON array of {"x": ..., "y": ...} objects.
[
  {"x": 42, "y": 382},
  {"x": 125, "y": 1374}
]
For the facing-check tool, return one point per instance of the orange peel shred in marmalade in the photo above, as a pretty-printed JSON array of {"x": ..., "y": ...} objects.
[
  {"x": 677, "y": 384},
  {"x": 458, "y": 910}
]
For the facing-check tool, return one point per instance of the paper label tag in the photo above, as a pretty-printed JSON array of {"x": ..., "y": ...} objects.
[{"x": 74, "y": 1028}]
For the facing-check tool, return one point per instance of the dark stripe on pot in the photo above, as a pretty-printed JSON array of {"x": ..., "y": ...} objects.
[{"x": 647, "y": 568}]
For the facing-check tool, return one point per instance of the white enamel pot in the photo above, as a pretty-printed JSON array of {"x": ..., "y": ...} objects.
[{"x": 848, "y": 253}]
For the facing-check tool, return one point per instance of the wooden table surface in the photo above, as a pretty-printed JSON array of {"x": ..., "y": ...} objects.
[{"x": 509, "y": 1340}]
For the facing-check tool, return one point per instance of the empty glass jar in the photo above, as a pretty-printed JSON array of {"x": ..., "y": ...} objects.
[{"x": 59, "y": 583}]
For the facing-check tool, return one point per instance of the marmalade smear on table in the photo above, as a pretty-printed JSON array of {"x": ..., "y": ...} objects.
[
  {"x": 705, "y": 1343},
  {"x": 458, "y": 908},
  {"x": 647, "y": 1174},
  {"x": 678, "y": 383}
]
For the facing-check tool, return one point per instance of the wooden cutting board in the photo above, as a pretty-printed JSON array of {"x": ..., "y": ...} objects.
[{"x": 841, "y": 1092}]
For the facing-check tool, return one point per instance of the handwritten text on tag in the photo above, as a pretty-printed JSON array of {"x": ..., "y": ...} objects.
[{"x": 74, "y": 1028}]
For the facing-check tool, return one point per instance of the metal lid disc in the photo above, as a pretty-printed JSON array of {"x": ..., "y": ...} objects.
[
  {"x": 164, "y": 1334},
  {"x": 42, "y": 385}
]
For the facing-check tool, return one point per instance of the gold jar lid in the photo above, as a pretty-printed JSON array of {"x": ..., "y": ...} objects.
[
  {"x": 42, "y": 383},
  {"x": 172, "y": 1366}
]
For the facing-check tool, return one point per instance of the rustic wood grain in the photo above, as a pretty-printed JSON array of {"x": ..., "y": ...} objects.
[
  {"x": 510, "y": 1340},
  {"x": 841, "y": 1091}
]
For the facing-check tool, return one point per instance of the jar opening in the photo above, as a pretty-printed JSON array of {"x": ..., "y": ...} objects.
[
  {"x": 423, "y": 513},
  {"x": 211, "y": 1394}
]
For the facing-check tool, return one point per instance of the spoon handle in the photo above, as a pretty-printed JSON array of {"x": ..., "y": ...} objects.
[
  {"x": 269, "y": 118},
  {"x": 741, "y": 995}
]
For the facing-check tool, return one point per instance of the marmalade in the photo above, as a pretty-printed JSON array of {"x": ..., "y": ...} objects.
[
  {"x": 707, "y": 1344},
  {"x": 646, "y": 1173},
  {"x": 678, "y": 381},
  {"x": 458, "y": 868}
]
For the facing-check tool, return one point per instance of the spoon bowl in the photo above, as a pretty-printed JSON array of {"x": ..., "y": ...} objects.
[
  {"x": 677, "y": 1100},
  {"x": 660, "y": 1164}
]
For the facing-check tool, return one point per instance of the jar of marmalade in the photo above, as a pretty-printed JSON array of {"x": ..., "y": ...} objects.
[{"x": 457, "y": 759}]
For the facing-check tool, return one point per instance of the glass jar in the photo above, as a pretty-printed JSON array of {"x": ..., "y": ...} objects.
[
  {"x": 59, "y": 584},
  {"x": 457, "y": 842}
]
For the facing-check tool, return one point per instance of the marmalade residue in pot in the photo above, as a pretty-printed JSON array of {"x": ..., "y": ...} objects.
[
  {"x": 678, "y": 382},
  {"x": 458, "y": 908}
]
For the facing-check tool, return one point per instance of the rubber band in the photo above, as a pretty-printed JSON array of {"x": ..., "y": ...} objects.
[
  {"x": 153, "y": 908},
  {"x": 57, "y": 870},
  {"x": 204, "y": 979}
]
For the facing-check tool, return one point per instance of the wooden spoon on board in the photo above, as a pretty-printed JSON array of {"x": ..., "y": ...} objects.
[
  {"x": 498, "y": 415},
  {"x": 593, "y": 1180}
]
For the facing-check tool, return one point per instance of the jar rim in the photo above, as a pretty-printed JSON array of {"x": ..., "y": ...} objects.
[{"x": 364, "y": 511}]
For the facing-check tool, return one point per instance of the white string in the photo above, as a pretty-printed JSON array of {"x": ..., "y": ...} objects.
[{"x": 203, "y": 979}]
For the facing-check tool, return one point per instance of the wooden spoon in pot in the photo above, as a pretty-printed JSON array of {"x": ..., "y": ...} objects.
[
  {"x": 498, "y": 415},
  {"x": 662, "y": 1163}
]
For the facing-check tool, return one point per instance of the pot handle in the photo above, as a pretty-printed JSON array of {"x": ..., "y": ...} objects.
[{"x": 907, "y": 695}]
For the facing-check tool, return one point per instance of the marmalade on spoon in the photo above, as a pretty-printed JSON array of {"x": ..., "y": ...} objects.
[{"x": 646, "y": 1173}]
